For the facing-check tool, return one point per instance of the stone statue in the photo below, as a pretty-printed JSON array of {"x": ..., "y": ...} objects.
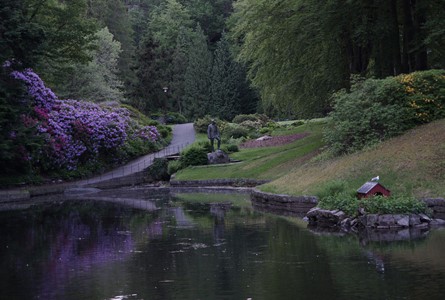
[{"x": 213, "y": 134}]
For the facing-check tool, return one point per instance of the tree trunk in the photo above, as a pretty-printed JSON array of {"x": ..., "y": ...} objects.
[{"x": 408, "y": 61}]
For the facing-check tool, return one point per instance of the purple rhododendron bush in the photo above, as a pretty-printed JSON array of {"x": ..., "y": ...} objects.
[{"x": 76, "y": 133}]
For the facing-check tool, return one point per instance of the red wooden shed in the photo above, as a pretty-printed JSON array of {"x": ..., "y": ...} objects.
[{"x": 372, "y": 188}]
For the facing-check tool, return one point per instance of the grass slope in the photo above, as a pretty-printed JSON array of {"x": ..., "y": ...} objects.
[
  {"x": 263, "y": 163},
  {"x": 412, "y": 164}
]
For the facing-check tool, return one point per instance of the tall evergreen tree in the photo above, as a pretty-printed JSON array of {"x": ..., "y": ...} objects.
[
  {"x": 147, "y": 92},
  {"x": 196, "y": 79},
  {"x": 225, "y": 82},
  {"x": 98, "y": 80},
  {"x": 180, "y": 63}
]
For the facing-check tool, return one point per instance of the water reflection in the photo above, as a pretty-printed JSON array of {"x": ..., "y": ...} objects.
[{"x": 216, "y": 248}]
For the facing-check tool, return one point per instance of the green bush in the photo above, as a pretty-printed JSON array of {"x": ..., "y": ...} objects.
[
  {"x": 158, "y": 170},
  {"x": 137, "y": 115},
  {"x": 235, "y": 131},
  {"x": 263, "y": 119},
  {"x": 205, "y": 145},
  {"x": 376, "y": 109},
  {"x": 175, "y": 118},
  {"x": 201, "y": 124},
  {"x": 374, "y": 205},
  {"x": 164, "y": 131},
  {"x": 194, "y": 156},
  {"x": 265, "y": 130},
  {"x": 231, "y": 148},
  {"x": 297, "y": 123},
  {"x": 173, "y": 167}
]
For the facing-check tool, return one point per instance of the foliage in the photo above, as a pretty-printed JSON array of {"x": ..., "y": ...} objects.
[
  {"x": 263, "y": 119},
  {"x": 197, "y": 77},
  {"x": 16, "y": 139},
  {"x": 235, "y": 131},
  {"x": 374, "y": 205},
  {"x": 263, "y": 163},
  {"x": 35, "y": 31},
  {"x": 170, "y": 117},
  {"x": 194, "y": 156},
  {"x": 159, "y": 169},
  {"x": 75, "y": 132},
  {"x": 224, "y": 82},
  {"x": 231, "y": 148},
  {"x": 201, "y": 124},
  {"x": 376, "y": 109},
  {"x": 302, "y": 51},
  {"x": 173, "y": 167},
  {"x": 98, "y": 80}
]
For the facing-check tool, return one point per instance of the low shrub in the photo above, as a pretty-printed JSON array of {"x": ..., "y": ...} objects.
[
  {"x": 297, "y": 123},
  {"x": 194, "y": 156},
  {"x": 231, "y": 148},
  {"x": 377, "y": 109},
  {"x": 235, "y": 131},
  {"x": 159, "y": 169},
  {"x": 374, "y": 205},
  {"x": 263, "y": 119},
  {"x": 175, "y": 118},
  {"x": 173, "y": 167},
  {"x": 201, "y": 124}
]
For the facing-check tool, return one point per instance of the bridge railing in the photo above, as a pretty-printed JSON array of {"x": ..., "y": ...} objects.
[{"x": 136, "y": 165}]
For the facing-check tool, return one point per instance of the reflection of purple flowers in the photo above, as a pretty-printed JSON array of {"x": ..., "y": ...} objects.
[{"x": 77, "y": 129}]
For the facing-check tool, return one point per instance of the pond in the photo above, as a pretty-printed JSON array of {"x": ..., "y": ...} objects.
[{"x": 202, "y": 246}]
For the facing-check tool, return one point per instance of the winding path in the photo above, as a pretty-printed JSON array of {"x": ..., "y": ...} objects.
[{"x": 183, "y": 135}]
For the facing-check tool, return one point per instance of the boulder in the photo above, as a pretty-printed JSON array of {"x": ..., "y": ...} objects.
[{"x": 218, "y": 157}]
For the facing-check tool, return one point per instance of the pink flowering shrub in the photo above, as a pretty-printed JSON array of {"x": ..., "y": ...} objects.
[{"x": 77, "y": 131}]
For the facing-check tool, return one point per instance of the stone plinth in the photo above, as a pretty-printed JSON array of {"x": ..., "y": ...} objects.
[{"x": 218, "y": 157}]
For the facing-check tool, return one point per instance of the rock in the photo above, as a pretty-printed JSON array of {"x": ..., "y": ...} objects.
[
  {"x": 264, "y": 138},
  {"x": 424, "y": 218},
  {"x": 414, "y": 220},
  {"x": 402, "y": 220},
  {"x": 218, "y": 157},
  {"x": 386, "y": 220},
  {"x": 372, "y": 220},
  {"x": 345, "y": 223},
  {"x": 437, "y": 222}
]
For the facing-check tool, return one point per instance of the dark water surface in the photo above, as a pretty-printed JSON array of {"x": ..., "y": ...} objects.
[{"x": 187, "y": 249}]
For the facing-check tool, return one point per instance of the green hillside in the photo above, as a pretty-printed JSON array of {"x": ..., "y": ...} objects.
[{"x": 411, "y": 164}]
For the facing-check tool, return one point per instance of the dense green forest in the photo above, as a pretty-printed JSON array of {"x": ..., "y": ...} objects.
[
  {"x": 283, "y": 58},
  {"x": 192, "y": 56}
]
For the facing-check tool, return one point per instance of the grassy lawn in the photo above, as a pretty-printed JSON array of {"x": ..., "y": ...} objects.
[
  {"x": 266, "y": 162},
  {"x": 411, "y": 164}
]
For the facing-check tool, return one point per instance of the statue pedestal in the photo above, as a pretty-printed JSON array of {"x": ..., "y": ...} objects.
[{"x": 218, "y": 157}]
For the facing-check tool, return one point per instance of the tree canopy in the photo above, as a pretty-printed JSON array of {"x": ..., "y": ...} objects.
[{"x": 299, "y": 52}]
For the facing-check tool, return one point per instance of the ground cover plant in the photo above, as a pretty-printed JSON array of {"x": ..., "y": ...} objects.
[{"x": 338, "y": 194}]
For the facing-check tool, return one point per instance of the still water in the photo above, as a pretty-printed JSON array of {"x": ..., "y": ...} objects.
[{"x": 202, "y": 247}]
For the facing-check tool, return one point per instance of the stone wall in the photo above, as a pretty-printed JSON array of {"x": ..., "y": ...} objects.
[
  {"x": 318, "y": 217},
  {"x": 217, "y": 182},
  {"x": 437, "y": 206},
  {"x": 282, "y": 204}
]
